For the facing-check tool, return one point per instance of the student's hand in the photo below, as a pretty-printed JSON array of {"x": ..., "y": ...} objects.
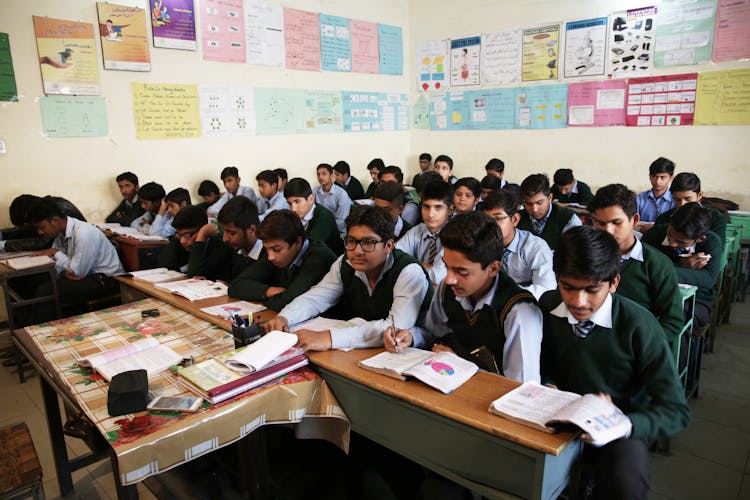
[
  {"x": 208, "y": 230},
  {"x": 49, "y": 252},
  {"x": 441, "y": 348},
  {"x": 70, "y": 275},
  {"x": 314, "y": 341},
  {"x": 585, "y": 437},
  {"x": 695, "y": 261},
  {"x": 402, "y": 339},
  {"x": 274, "y": 290},
  {"x": 163, "y": 206},
  {"x": 278, "y": 323}
]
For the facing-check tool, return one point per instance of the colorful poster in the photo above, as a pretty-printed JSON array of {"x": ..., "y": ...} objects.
[
  {"x": 465, "y": 61},
  {"x": 165, "y": 110},
  {"x": 227, "y": 110},
  {"x": 492, "y": 109},
  {"x": 323, "y": 111},
  {"x": 73, "y": 116},
  {"x": 335, "y": 43},
  {"x": 596, "y": 104},
  {"x": 375, "y": 111},
  {"x": 223, "y": 30},
  {"x": 450, "y": 110},
  {"x": 732, "y": 27},
  {"x": 67, "y": 56},
  {"x": 631, "y": 42},
  {"x": 364, "y": 47},
  {"x": 661, "y": 100},
  {"x": 390, "y": 50},
  {"x": 264, "y": 28},
  {"x": 585, "y": 48},
  {"x": 541, "y": 52},
  {"x": 122, "y": 31},
  {"x": 543, "y": 106},
  {"x": 684, "y": 32},
  {"x": 432, "y": 65},
  {"x": 8, "y": 89},
  {"x": 723, "y": 98},
  {"x": 302, "y": 39},
  {"x": 421, "y": 114},
  {"x": 173, "y": 24},
  {"x": 502, "y": 52},
  {"x": 279, "y": 111}
]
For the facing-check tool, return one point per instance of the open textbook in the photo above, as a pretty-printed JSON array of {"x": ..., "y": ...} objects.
[
  {"x": 261, "y": 352},
  {"x": 27, "y": 261},
  {"x": 145, "y": 354},
  {"x": 157, "y": 275},
  {"x": 239, "y": 308},
  {"x": 130, "y": 232},
  {"x": 444, "y": 371},
  {"x": 539, "y": 407},
  {"x": 195, "y": 288}
]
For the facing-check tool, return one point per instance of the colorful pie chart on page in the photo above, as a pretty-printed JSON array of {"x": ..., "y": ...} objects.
[{"x": 441, "y": 368}]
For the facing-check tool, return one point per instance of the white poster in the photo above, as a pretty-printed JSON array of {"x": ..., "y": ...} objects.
[
  {"x": 466, "y": 69},
  {"x": 585, "y": 48},
  {"x": 264, "y": 31},
  {"x": 632, "y": 42},
  {"x": 432, "y": 65},
  {"x": 501, "y": 55},
  {"x": 227, "y": 110}
]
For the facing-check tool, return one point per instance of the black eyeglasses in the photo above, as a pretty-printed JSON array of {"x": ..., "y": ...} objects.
[{"x": 368, "y": 245}]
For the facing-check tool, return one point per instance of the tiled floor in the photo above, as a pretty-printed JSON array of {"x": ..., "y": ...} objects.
[{"x": 710, "y": 460}]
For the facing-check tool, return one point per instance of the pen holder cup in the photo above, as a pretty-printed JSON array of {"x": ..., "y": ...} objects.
[{"x": 245, "y": 335}]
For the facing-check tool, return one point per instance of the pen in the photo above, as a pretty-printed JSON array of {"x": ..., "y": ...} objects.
[
  {"x": 393, "y": 333},
  {"x": 238, "y": 320}
]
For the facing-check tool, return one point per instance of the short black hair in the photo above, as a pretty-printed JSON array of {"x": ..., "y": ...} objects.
[
  {"x": 685, "y": 181},
  {"x": 614, "y": 195},
  {"x": 394, "y": 170},
  {"x": 151, "y": 191},
  {"x": 469, "y": 183},
  {"x": 428, "y": 177},
  {"x": 325, "y": 166},
  {"x": 229, "y": 172},
  {"x": 445, "y": 158},
  {"x": 507, "y": 200},
  {"x": 661, "y": 165},
  {"x": 342, "y": 167},
  {"x": 491, "y": 182},
  {"x": 376, "y": 218},
  {"x": 239, "y": 211},
  {"x": 297, "y": 187},
  {"x": 563, "y": 177},
  {"x": 19, "y": 208},
  {"x": 207, "y": 187},
  {"x": 43, "y": 209},
  {"x": 535, "y": 184},
  {"x": 692, "y": 220},
  {"x": 476, "y": 235},
  {"x": 425, "y": 156},
  {"x": 127, "y": 176},
  {"x": 438, "y": 190},
  {"x": 178, "y": 195},
  {"x": 190, "y": 217},
  {"x": 269, "y": 176},
  {"x": 587, "y": 254},
  {"x": 495, "y": 165},
  {"x": 391, "y": 192},
  {"x": 281, "y": 225},
  {"x": 377, "y": 163},
  {"x": 281, "y": 172}
]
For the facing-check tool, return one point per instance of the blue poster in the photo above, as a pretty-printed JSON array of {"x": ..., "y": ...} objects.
[
  {"x": 391, "y": 45},
  {"x": 543, "y": 106},
  {"x": 492, "y": 109},
  {"x": 450, "y": 111},
  {"x": 335, "y": 43},
  {"x": 375, "y": 111}
]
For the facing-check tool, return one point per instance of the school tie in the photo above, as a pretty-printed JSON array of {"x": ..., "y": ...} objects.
[
  {"x": 538, "y": 225},
  {"x": 583, "y": 328},
  {"x": 431, "y": 248},
  {"x": 506, "y": 258}
]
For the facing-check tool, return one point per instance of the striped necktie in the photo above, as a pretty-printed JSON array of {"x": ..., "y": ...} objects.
[
  {"x": 583, "y": 328},
  {"x": 432, "y": 248},
  {"x": 506, "y": 258}
]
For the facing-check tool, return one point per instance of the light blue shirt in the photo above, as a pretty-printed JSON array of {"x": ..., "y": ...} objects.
[
  {"x": 337, "y": 201},
  {"x": 635, "y": 253},
  {"x": 161, "y": 225},
  {"x": 522, "y": 327},
  {"x": 416, "y": 242},
  {"x": 83, "y": 250},
  {"x": 408, "y": 293},
  {"x": 529, "y": 263},
  {"x": 572, "y": 222},
  {"x": 245, "y": 191},
  {"x": 410, "y": 213},
  {"x": 650, "y": 207},
  {"x": 277, "y": 202}
]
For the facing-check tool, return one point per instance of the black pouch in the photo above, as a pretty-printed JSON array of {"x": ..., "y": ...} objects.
[{"x": 128, "y": 393}]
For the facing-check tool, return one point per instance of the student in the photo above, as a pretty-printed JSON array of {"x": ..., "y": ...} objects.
[
  {"x": 156, "y": 220},
  {"x": 318, "y": 221},
  {"x": 176, "y": 199},
  {"x": 239, "y": 222},
  {"x": 425, "y": 165},
  {"x": 647, "y": 277},
  {"x": 567, "y": 189},
  {"x": 496, "y": 167},
  {"x": 477, "y": 305},
  {"x": 283, "y": 177},
  {"x": 466, "y": 195},
  {"x": 599, "y": 342},
  {"x": 291, "y": 265},
  {"x": 542, "y": 217},
  {"x": 374, "y": 167},
  {"x": 209, "y": 191},
  {"x": 444, "y": 167},
  {"x": 23, "y": 237},
  {"x": 343, "y": 175},
  {"x": 195, "y": 249},
  {"x": 686, "y": 188},
  {"x": 372, "y": 280},
  {"x": 332, "y": 196},
  {"x": 390, "y": 196},
  {"x": 130, "y": 206},
  {"x": 410, "y": 212},
  {"x": 231, "y": 179},
  {"x": 658, "y": 199},
  {"x": 270, "y": 197},
  {"x": 489, "y": 184},
  {"x": 527, "y": 258},
  {"x": 422, "y": 241}
]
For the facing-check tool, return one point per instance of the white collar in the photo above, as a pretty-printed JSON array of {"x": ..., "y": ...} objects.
[
  {"x": 485, "y": 300},
  {"x": 601, "y": 317},
  {"x": 635, "y": 253}
]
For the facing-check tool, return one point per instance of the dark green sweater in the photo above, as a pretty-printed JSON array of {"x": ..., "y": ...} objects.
[
  {"x": 130, "y": 213},
  {"x": 354, "y": 189},
  {"x": 322, "y": 227},
  {"x": 630, "y": 361},
  {"x": 371, "y": 189},
  {"x": 558, "y": 219},
  {"x": 211, "y": 259},
  {"x": 718, "y": 221},
  {"x": 583, "y": 196},
  {"x": 254, "y": 281}
]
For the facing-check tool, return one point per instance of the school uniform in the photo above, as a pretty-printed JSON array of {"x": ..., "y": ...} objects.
[
  {"x": 417, "y": 242},
  {"x": 242, "y": 259},
  {"x": 581, "y": 193},
  {"x": 130, "y": 210},
  {"x": 411, "y": 213},
  {"x": 27, "y": 239},
  {"x": 371, "y": 188},
  {"x": 354, "y": 188},
  {"x": 650, "y": 207},
  {"x": 718, "y": 221},
  {"x": 155, "y": 225},
  {"x": 337, "y": 201},
  {"x": 400, "y": 228},
  {"x": 551, "y": 226},
  {"x": 528, "y": 261},
  {"x": 320, "y": 225},
  {"x": 245, "y": 191},
  {"x": 276, "y": 202},
  {"x": 211, "y": 259}
]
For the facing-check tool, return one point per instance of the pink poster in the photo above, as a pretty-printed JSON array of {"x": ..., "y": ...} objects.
[
  {"x": 223, "y": 30},
  {"x": 731, "y": 39},
  {"x": 596, "y": 104},
  {"x": 302, "y": 39},
  {"x": 661, "y": 100},
  {"x": 364, "y": 47}
]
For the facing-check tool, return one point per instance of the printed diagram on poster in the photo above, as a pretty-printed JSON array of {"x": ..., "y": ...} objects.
[
  {"x": 661, "y": 100},
  {"x": 732, "y": 23},
  {"x": 335, "y": 43},
  {"x": 173, "y": 24},
  {"x": 432, "y": 65},
  {"x": 585, "y": 48},
  {"x": 124, "y": 37},
  {"x": 596, "y": 104},
  {"x": 684, "y": 32},
  {"x": 223, "y": 30},
  {"x": 501, "y": 57},
  {"x": 632, "y": 42},
  {"x": 541, "y": 51},
  {"x": 73, "y": 116},
  {"x": 227, "y": 110},
  {"x": 466, "y": 65}
]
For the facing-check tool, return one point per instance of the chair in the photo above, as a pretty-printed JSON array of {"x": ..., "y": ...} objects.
[{"x": 20, "y": 470}]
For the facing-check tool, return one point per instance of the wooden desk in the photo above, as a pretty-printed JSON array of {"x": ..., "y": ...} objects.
[
  {"x": 453, "y": 435},
  {"x": 129, "y": 250}
]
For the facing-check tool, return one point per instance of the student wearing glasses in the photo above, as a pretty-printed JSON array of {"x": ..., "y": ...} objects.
[{"x": 372, "y": 280}]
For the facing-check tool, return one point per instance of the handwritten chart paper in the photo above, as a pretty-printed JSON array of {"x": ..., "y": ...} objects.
[
  {"x": 502, "y": 52},
  {"x": 365, "y": 57},
  {"x": 465, "y": 61},
  {"x": 492, "y": 109},
  {"x": 421, "y": 114},
  {"x": 173, "y": 24},
  {"x": 227, "y": 110},
  {"x": 542, "y": 107},
  {"x": 541, "y": 48},
  {"x": 323, "y": 111},
  {"x": 264, "y": 29},
  {"x": 596, "y": 104},
  {"x": 122, "y": 31},
  {"x": 723, "y": 98},
  {"x": 732, "y": 24},
  {"x": 67, "y": 56},
  {"x": 302, "y": 39},
  {"x": 661, "y": 100},
  {"x": 165, "y": 111},
  {"x": 335, "y": 43},
  {"x": 585, "y": 48},
  {"x": 432, "y": 65},
  {"x": 390, "y": 50},
  {"x": 223, "y": 30},
  {"x": 684, "y": 32},
  {"x": 8, "y": 89},
  {"x": 280, "y": 111},
  {"x": 631, "y": 42},
  {"x": 73, "y": 116},
  {"x": 375, "y": 111}
]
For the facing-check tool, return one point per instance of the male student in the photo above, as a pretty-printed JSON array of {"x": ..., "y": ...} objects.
[
  {"x": 488, "y": 185},
  {"x": 194, "y": 250},
  {"x": 477, "y": 304},
  {"x": 425, "y": 165},
  {"x": 658, "y": 199},
  {"x": 423, "y": 240},
  {"x": 270, "y": 197},
  {"x": 291, "y": 265},
  {"x": 156, "y": 220},
  {"x": 374, "y": 167},
  {"x": 318, "y": 221},
  {"x": 466, "y": 193},
  {"x": 372, "y": 280},
  {"x": 444, "y": 167},
  {"x": 496, "y": 167},
  {"x": 568, "y": 189},
  {"x": 231, "y": 179},
  {"x": 527, "y": 258},
  {"x": 686, "y": 188},
  {"x": 283, "y": 177},
  {"x": 239, "y": 222},
  {"x": 176, "y": 199},
  {"x": 130, "y": 206},
  {"x": 343, "y": 175},
  {"x": 599, "y": 342},
  {"x": 410, "y": 212},
  {"x": 542, "y": 217},
  {"x": 332, "y": 196},
  {"x": 209, "y": 191},
  {"x": 23, "y": 237},
  {"x": 390, "y": 196},
  {"x": 647, "y": 277}
]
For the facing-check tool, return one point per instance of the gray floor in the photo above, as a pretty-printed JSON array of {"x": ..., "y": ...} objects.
[{"x": 710, "y": 460}]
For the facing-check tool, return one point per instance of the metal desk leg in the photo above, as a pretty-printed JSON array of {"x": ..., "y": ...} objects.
[{"x": 57, "y": 438}]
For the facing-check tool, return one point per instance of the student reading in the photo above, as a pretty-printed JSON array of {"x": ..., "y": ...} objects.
[
  {"x": 318, "y": 221},
  {"x": 478, "y": 305},
  {"x": 372, "y": 281},
  {"x": 568, "y": 189},
  {"x": 156, "y": 220},
  {"x": 23, "y": 237},
  {"x": 239, "y": 221},
  {"x": 658, "y": 199},
  {"x": 542, "y": 217},
  {"x": 231, "y": 178},
  {"x": 271, "y": 198},
  {"x": 343, "y": 175},
  {"x": 130, "y": 207},
  {"x": 390, "y": 196},
  {"x": 596, "y": 341}
]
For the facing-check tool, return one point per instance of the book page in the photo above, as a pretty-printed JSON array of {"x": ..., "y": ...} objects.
[
  {"x": 533, "y": 402},
  {"x": 241, "y": 308},
  {"x": 27, "y": 262},
  {"x": 397, "y": 362},
  {"x": 158, "y": 275},
  {"x": 602, "y": 420},
  {"x": 445, "y": 371},
  {"x": 195, "y": 289},
  {"x": 261, "y": 352},
  {"x": 97, "y": 360},
  {"x": 154, "y": 361}
]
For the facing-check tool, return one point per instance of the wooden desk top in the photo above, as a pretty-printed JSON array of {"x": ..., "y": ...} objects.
[
  {"x": 9, "y": 272},
  {"x": 468, "y": 404}
]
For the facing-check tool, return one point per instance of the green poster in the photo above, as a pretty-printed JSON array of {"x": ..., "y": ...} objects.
[
  {"x": 73, "y": 116},
  {"x": 8, "y": 90}
]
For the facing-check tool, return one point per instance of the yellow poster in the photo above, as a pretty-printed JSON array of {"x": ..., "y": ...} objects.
[
  {"x": 124, "y": 37},
  {"x": 541, "y": 53},
  {"x": 723, "y": 98},
  {"x": 165, "y": 110},
  {"x": 67, "y": 56}
]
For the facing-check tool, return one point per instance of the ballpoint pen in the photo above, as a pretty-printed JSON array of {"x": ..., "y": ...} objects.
[{"x": 393, "y": 333}]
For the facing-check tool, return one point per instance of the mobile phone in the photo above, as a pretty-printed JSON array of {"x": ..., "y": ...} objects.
[
  {"x": 183, "y": 404},
  {"x": 150, "y": 313}
]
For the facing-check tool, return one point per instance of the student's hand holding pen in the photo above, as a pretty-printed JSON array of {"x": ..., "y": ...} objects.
[{"x": 395, "y": 343}]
